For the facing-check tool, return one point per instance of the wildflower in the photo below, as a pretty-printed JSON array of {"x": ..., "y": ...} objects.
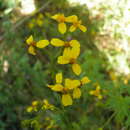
[
  {"x": 31, "y": 24},
  {"x": 47, "y": 105},
  {"x": 39, "y": 20},
  {"x": 70, "y": 57},
  {"x": 58, "y": 43},
  {"x": 69, "y": 85},
  {"x": 61, "y": 19},
  {"x": 32, "y": 44},
  {"x": 33, "y": 107},
  {"x": 76, "y": 23},
  {"x": 77, "y": 91},
  {"x": 96, "y": 92}
]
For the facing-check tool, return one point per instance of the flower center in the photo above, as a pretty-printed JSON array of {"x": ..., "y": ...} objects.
[
  {"x": 67, "y": 44},
  {"x": 72, "y": 61},
  {"x": 61, "y": 18},
  {"x": 33, "y": 43}
]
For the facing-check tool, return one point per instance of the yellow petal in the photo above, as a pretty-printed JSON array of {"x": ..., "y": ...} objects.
[
  {"x": 62, "y": 28},
  {"x": 85, "y": 80},
  {"x": 75, "y": 51},
  {"x": 29, "y": 40},
  {"x": 66, "y": 100},
  {"x": 76, "y": 69},
  {"x": 76, "y": 83},
  {"x": 71, "y": 84},
  {"x": 31, "y": 50},
  {"x": 67, "y": 52},
  {"x": 83, "y": 28},
  {"x": 62, "y": 60},
  {"x": 68, "y": 83},
  {"x": 59, "y": 78},
  {"x": 77, "y": 93},
  {"x": 57, "y": 42},
  {"x": 42, "y": 43},
  {"x": 55, "y": 16},
  {"x": 29, "y": 109},
  {"x": 57, "y": 88},
  {"x": 74, "y": 43},
  {"x": 72, "y": 28},
  {"x": 71, "y": 19}
]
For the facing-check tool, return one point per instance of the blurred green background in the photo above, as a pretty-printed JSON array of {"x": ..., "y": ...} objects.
[{"x": 105, "y": 56}]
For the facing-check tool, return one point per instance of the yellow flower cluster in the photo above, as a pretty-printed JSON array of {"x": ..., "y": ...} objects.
[
  {"x": 33, "y": 45},
  {"x": 71, "y": 88},
  {"x": 38, "y": 105},
  {"x": 36, "y": 21},
  {"x": 76, "y": 23},
  {"x": 96, "y": 92}
]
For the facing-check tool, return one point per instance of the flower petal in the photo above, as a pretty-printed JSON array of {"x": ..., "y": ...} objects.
[
  {"x": 55, "y": 16},
  {"x": 57, "y": 88},
  {"x": 31, "y": 50},
  {"x": 72, "y": 28},
  {"x": 29, "y": 40},
  {"x": 66, "y": 100},
  {"x": 76, "y": 69},
  {"x": 62, "y": 28},
  {"x": 59, "y": 78},
  {"x": 71, "y": 19},
  {"x": 75, "y": 51},
  {"x": 62, "y": 60},
  {"x": 74, "y": 43},
  {"x": 77, "y": 93},
  {"x": 85, "y": 80},
  {"x": 83, "y": 28},
  {"x": 57, "y": 42},
  {"x": 42, "y": 43}
]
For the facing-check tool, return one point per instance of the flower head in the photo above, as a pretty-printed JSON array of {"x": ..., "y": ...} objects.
[
  {"x": 65, "y": 89},
  {"x": 47, "y": 105},
  {"x": 32, "y": 44},
  {"x": 76, "y": 23},
  {"x": 96, "y": 92},
  {"x": 61, "y": 19},
  {"x": 33, "y": 106},
  {"x": 70, "y": 56},
  {"x": 58, "y": 43}
]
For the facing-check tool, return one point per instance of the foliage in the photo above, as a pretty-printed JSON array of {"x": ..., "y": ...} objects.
[{"x": 24, "y": 77}]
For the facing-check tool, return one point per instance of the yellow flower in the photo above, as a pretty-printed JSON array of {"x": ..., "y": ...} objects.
[
  {"x": 61, "y": 19},
  {"x": 31, "y": 24},
  {"x": 85, "y": 80},
  {"x": 32, "y": 44},
  {"x": 69, "y": 85},
  {"x": 69, "y": 57},
  {"x": 77, "y": 91},
  {"x": 96, "y": 92},
  {"x": 33, "y": 107},
  {"x": 47, "y": 105},
  {"x": 76, "y": 23},
  {"x": 39, "y": 20},
  {"x": 58, "y": 43}
]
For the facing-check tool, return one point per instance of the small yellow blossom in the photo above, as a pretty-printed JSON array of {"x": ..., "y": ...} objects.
[
  {"x": 33, "y": 107},
  {"x": 31, "y": 24},
  {"x": 85, "y": 80},
  {"x": 69, "y": 57},
  {"x": 47, "y": 105},
  {"x": 32, "y": 44},
  {"x": 77, "y": 91},
  {"x": 39, "y": 20},
  {"x": 76, "y": 23},
  {"x": 58, "y": 43},
  {"x": 61, "y": 19},
  {"x": 69, "y": 85},
  {"x": 96, "y": 92}
]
